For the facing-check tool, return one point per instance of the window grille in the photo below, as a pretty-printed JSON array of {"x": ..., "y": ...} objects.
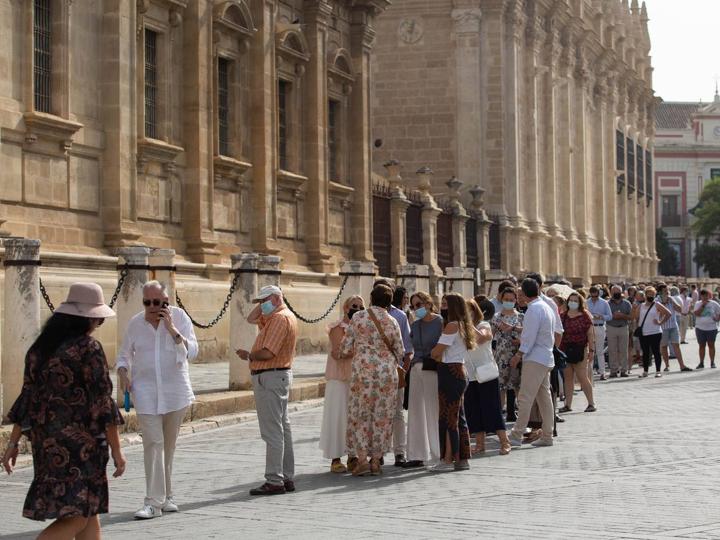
[
  {"x": 223, "y": 106},
  {"x": 283, "y": 94},
  {"x": 151, "y": 84},
  {"x": 333, "y": 112},
  {"x": 42, "y": 45}
]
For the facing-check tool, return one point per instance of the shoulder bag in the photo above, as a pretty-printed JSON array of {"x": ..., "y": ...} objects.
[
  {"x": 400, "y": 370},
  {"x": 638, "y": 331}
]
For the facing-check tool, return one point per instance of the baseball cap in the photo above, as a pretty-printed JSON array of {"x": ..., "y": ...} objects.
[{"x": 267, "y": 291}]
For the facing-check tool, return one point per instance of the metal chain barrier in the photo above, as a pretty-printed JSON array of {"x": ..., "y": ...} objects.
[
  {"x": 123, "y": 274},
  {"x": 46, "y": 296},
  {"x": 327, "y": 312},
  {"x": 223, "y": 310}
]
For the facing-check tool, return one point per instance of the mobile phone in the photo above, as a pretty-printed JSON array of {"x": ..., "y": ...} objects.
[{"x": 127, "y": 403}]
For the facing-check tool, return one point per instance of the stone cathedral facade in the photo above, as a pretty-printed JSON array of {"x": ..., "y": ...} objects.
[{"x": 547, "y": 105}]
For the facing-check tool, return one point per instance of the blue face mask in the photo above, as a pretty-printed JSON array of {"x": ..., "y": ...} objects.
[
  {"x": 420, "y": 313},
  {"x": 267, "y": 307},
  {"x": 508, "y": 305}
]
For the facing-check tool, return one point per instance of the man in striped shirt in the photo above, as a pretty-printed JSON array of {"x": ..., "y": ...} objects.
[
  {"x": 271, "y": 369},
  {"x": 670, "y": 330}
]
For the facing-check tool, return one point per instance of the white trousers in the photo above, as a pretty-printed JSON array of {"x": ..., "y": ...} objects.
[
  {"x": 683, "y": 322},
  {"x": 423, "y": 437},
  {"x": 399, "y": 425},
  {"x": 600, "y": 332},
  {"x": 333, "y": 432},
  {"x": 159, "y": 435}
]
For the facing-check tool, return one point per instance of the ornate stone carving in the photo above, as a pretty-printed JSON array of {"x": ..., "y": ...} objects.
[{"x": 467, "y": 20}]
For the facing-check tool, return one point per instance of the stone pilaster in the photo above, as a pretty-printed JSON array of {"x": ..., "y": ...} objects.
[
  {"x": 430, "y": 213},
  {"x": 414, "y": 277},
  {"x": 317, "y": 14},
  {"x": 118, "y": 88},
  {"x": 398, "y": 215},
  {"x": 477, "y": 211},
  {"x": 459, "y": 219},
  {"x": 242, "y": 333},
  {"x": 269, "y": 271},
  {"x": 162, "y": 269},
  {"x": 361, "y": 275},
  {"x": 197, "y": 122},
  {"x": 460, "y": 280},
  {"x": 21, "y": 323},
  {"x": 362, "y": 36}
]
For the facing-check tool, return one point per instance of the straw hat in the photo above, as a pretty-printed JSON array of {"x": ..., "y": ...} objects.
[{"x": 86, "y": 300}]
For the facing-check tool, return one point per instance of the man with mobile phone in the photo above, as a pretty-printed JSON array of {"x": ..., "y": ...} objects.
[{"x": 158, "y": 344}]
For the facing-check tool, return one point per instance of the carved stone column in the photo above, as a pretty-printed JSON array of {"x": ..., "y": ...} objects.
[
  {"x": 459, "y": 219},
  {"x": 242, "y": 333},
  {"x": 477, "y": 211},
  {"x": 430, "y": 213},
  {"x": 398, "y": 215}
]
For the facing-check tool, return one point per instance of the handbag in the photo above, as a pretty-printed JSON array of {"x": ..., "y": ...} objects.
[
  {"x": 400, "y": 370},
  {"x": 574, "y": 353},
  {"x": 638, "y": 331},
  {"x": 486, "y": 372}
]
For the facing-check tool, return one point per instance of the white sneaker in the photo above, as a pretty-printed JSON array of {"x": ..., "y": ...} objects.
[
  {"x": 148, "y": 512},
  {"x": 170, "y": 505},
  {"x": 515, "y": 443},
  {"x": 542, "y": 442}
]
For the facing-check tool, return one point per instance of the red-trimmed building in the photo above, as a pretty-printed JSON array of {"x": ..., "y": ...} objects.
[{"x": 687, "y": 155}]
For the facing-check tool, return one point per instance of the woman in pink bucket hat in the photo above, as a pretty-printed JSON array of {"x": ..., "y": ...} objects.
[{"x": 67, "y": 411}]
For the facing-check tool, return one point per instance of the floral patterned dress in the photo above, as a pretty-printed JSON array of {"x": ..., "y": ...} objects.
[
  {"x": 505, "y": 349},
  {"x": 64, "y": 408},
  {"x": 373, "y": 382}
]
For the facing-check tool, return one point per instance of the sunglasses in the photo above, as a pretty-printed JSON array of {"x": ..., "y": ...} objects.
[
  {"x": 355, "y": 306},
  {"x": 155, "y": 302}
]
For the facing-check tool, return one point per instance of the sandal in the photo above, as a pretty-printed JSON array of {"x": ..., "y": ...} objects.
[
  {"x": 361, "y": 469},
  {"x": 505, "y": 449},
  {"x": 352, "y": 463},
  {"x": 375, "y": 467},
  {"x": 565, "y": 409},
  {"x": 338, "y": 467}
]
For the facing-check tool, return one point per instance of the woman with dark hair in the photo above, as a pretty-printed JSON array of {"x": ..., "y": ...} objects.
[
  {"x": 373, "y": 341},
  {"x": 578, "y": 344},
  {"x": 401, "y": 300},
  {"x": 482, "y": 397},
  {"x": 67, "y": 411},
  {"x": 507, "y": 327},
  {"x": 457, "y": 339}
]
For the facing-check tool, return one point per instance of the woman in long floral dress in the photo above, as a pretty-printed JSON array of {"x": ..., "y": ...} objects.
[
  {"x": 373, "y": 382},
  {"x": 507, "y": 327},
  {"x": 67, "y": 411}
]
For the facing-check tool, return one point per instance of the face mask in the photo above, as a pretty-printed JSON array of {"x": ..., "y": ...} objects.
[
  {"x": 352, "y": 312},
  {"x": 649, "y": 299},
  {"x": 573, "y": 305},
  {"x": 617, "y": 296},
  {"x": 267, "y": 307},
  {"x": 420, "y": 313},
  {"x": 508, "y": 305},
  {"x": 444, "y": 314}
]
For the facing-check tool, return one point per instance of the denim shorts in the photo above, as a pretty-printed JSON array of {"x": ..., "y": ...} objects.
[
  {"x": 705, "y": 336},
  {"x": 670, "y": 335}
]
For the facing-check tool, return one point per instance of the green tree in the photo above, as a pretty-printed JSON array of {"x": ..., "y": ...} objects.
[
  {"x": 669, "y": 263},
  {"x": 707, "y": 227},
  {"x": 708, "y": 256}
]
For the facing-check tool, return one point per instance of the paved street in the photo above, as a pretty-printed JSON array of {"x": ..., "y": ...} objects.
[{"x": 645, "y": 466}]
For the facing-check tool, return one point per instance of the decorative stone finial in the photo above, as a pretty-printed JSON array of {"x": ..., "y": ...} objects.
[
  {"x": 424, "y": 177},
  {"x": 454, "y": 185},
  {"x": 393, "y": 169},
  {"x": 477, "y": 206}
]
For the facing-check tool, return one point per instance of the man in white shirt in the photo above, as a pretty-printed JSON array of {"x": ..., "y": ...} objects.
[
  {"x": 156, "y": 349},
  {"x": 683, "y": 317},
  {"x": 707, "y": 315},
  {"x": 536, "y": 354}
]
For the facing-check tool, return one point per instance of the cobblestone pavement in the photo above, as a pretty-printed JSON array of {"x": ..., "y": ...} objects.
[{"x": 644, "y": 466}]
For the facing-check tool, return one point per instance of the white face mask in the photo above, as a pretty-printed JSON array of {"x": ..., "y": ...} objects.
[{"x": 573, "y": 305}]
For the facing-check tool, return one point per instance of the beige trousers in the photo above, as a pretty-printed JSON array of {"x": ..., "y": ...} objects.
[
  {"x": 159, "y": 435},
  {"x": 534, "y": 384}
]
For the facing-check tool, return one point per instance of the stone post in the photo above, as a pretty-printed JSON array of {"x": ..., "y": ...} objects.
[
  {"x": 361, "y": 276},
  {"x": 21, "y": 324},
  {"x": 242, "y": 333},
  {"x": 482, "y": 223},
  {"x": 414, "y": 277},
  {"x": 162, "y": 269},
  {"x": 129, "y": 302},
  {"x": 430, "y": 213},
  {"x": 269, "y": 271},
  {"x": 459, "y": 218},
  {"x": 398, "y": 215},
  {"x": 460, "y": 280}
]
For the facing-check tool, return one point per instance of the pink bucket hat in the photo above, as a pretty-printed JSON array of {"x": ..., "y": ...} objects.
[{"x": 86, "y": 300}]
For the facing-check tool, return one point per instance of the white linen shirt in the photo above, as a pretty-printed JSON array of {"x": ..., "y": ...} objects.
[
  {"x": 158, "y": 366},
  {"x": 538, "y": 334}
]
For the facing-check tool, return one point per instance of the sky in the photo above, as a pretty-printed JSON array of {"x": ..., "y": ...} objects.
[{"x": 684, "y": 35}]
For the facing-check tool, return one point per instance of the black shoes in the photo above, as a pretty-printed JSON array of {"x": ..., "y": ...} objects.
[
  {"x": 413, "y": 464},
  {"x": 270, "y": 489},
  {"x": 400, "y": 460}
]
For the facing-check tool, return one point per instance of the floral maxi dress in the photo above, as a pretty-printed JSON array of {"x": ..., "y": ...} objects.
[
  {"x": 65, "y": 407},
  {"x": 505, "y": 349},
  {"x": 373, "y": 382}
]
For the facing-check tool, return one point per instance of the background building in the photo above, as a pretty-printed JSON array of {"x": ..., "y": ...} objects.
[
  {"x": 546, "y": 105},
  {"x": 687, "y": 154}
]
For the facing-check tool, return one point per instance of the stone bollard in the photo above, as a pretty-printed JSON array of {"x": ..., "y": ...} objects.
[
  {"x": 269, "y": 271},
  {"x": 162, "y": 269},
  {"x": 460, "y": 280},
  {"x": 361, "y": 276},
  {"x": 414, "y": 277},
  {"x": 242, "y": 333},
  {"x": 21, "y": 324},
  {"x": 129, "y": 302}
]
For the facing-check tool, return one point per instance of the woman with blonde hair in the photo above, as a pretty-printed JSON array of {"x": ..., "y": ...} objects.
[
  {"x": 578, "y": 344},
  {"x": 333, "y": 430},
  {"x": 650, "y": 317},
  {"x": 457, "y": 339},
  {"x": 483, "y": 409},
  {"x": 423, "y": 441}
]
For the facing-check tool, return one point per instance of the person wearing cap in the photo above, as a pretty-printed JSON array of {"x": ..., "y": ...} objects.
[
  {"x": 157, "y": 346},
  {"x": 67, "y": 411},
  {"x": 271, "y": 360}
]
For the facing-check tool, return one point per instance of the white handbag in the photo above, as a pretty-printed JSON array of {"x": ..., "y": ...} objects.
[{"x": 487, "y": 372}]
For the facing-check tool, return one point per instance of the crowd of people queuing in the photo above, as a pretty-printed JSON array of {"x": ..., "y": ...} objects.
[{"x": 460, "y": 367}]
